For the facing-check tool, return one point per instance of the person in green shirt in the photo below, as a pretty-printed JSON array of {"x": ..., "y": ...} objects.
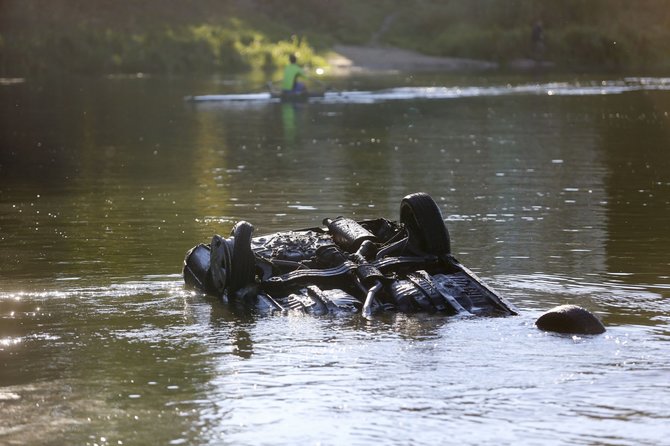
[{"x": 291, "y": 74}]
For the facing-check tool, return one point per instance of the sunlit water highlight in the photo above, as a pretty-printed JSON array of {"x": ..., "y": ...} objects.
[{"x": 187, "y": 363}]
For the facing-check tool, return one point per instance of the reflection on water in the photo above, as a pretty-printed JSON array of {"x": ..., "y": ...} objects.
[{"x": 552, "y": 198}]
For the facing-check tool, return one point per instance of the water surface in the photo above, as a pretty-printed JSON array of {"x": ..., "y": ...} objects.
[{"x": 555, "y": 190}]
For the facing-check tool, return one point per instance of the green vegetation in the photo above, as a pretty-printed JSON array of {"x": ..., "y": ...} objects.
[
  {"x": 595, "y": 34},
  {"x": 170, "y": 37},
  {"x": 223, "y": 36}
]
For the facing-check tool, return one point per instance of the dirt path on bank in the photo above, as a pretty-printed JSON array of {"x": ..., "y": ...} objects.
[{"x": 348, "y": 59}]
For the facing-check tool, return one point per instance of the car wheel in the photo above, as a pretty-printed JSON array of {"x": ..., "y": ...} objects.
[
  {"x": 219, "y": 264},
  {"x": 243, "y": 263},
  {"x": 423, "y": 220}
]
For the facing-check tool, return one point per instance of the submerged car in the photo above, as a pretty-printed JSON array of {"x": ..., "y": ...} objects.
[{"x": 365, "y": 267}]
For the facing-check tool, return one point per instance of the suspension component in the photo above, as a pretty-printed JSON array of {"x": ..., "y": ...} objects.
[{"x": 347, "y": 233}]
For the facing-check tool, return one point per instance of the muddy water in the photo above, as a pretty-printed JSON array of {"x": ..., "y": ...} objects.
[{"x": 554, "y": 190}]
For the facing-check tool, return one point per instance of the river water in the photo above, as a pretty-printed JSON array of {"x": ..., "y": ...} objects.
[{"x": 555, "y": 190}]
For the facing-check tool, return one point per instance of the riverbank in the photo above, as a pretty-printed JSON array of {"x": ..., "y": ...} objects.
[
  {"x": 351, "y": 59},
  {"x": 370, "y": 59},
  {"x": 229, "y": 36}
]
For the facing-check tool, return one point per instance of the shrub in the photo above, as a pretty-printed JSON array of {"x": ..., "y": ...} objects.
[{"x": 590, "y": 47}]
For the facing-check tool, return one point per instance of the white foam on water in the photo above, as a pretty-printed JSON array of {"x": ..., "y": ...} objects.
[{"x": 590, "y": 88}]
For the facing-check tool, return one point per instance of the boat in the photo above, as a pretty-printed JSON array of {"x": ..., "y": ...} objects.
[
  {"x": 302, "y": 96},
  {"x": 366, "y": 267},
  {"x": 269, "y": 96}
]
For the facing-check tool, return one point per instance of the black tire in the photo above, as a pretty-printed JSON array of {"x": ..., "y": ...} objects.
[
  {"x": 423, "y": 220},
  {"x": 196, "y": 267},
  {"x": 219, "y": 265},
  {"x": 243, "y": 263}
]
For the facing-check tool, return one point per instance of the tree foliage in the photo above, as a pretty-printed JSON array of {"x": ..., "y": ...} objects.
[{"x": 183, "y": 36}]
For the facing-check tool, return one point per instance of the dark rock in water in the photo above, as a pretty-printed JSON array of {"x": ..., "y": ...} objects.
[{"x": 570, "y": 319}]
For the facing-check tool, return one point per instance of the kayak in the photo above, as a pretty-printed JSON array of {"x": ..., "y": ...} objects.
[
  {"x": 262, "y": 97},
  {"x": 288, "y": 96}
]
